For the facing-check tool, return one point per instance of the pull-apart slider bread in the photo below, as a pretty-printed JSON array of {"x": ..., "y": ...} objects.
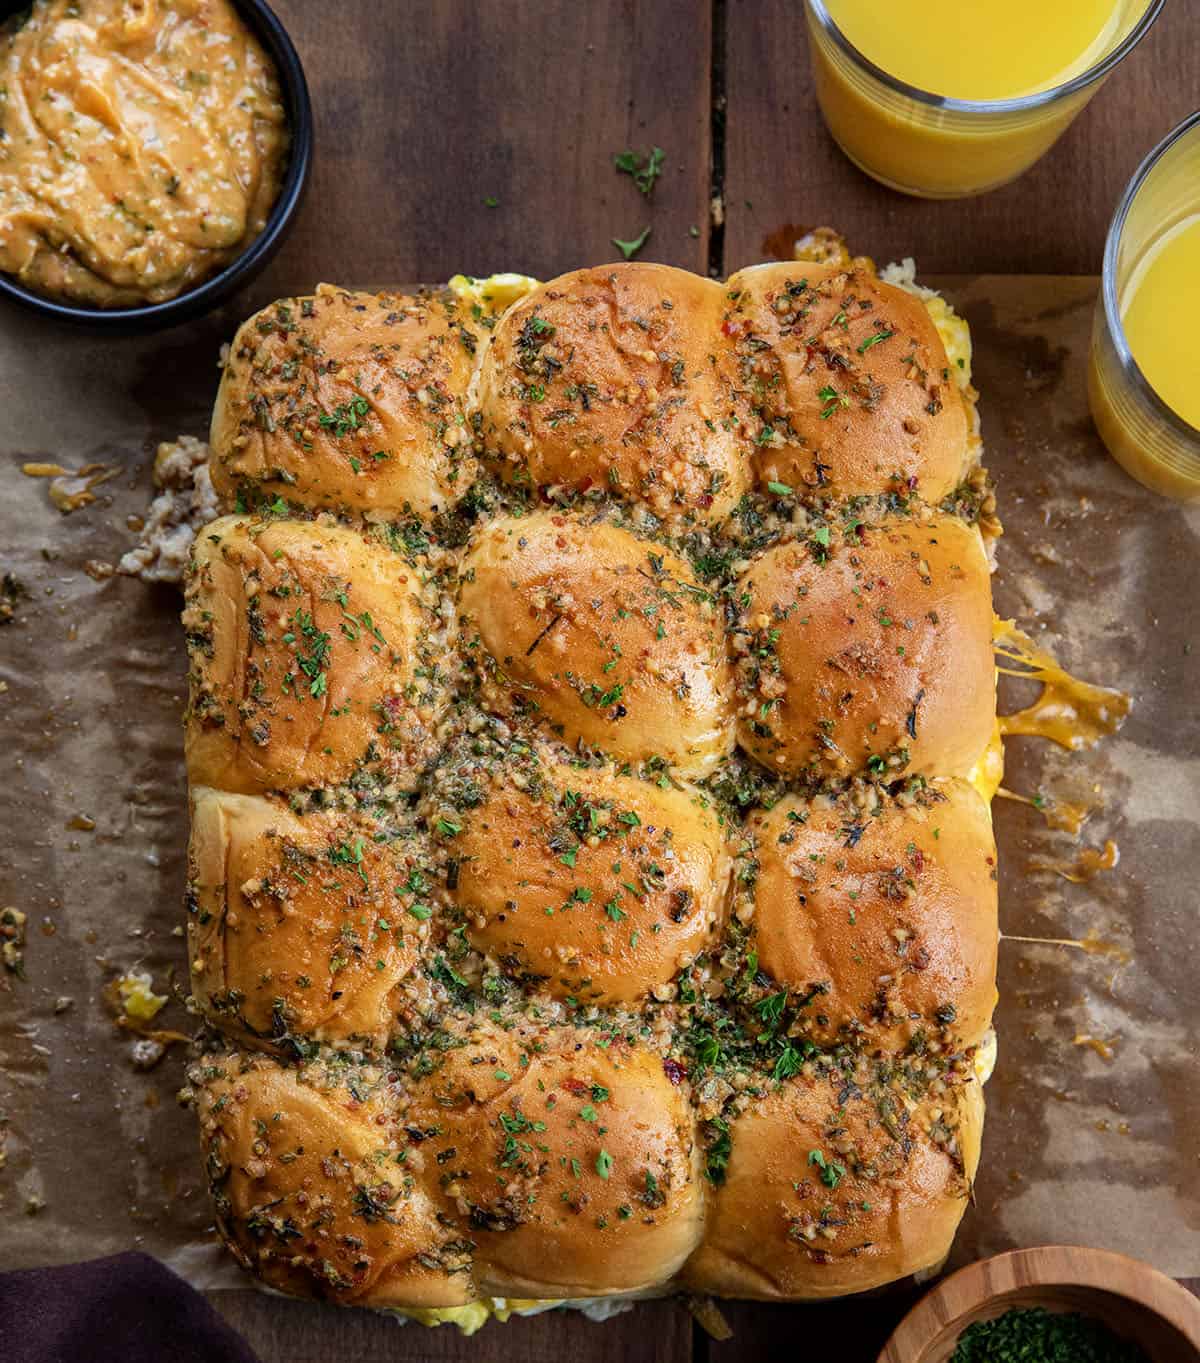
[{"x": 592, "y": 732}]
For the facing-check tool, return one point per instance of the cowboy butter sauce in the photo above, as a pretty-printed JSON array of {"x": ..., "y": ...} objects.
[{"x": 142, "y": 146}]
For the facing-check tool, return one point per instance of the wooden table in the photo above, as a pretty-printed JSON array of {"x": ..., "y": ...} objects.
[
  {"x": 478, "y": 135},
  {"x": 427, "y": 111}
]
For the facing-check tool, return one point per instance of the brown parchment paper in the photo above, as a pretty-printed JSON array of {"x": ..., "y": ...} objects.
[{"x": 1077, "y": 1148}]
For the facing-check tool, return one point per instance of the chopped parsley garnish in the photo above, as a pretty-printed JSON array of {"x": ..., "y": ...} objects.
[
  {"x": 629, "y": 249},
  {"x": 345, "y": 418},
  {"x": 832, "y": 1173},
  {"x": 643, "y": 170},
  {"x": 874, "y": 340},
  {"x": 350, "y": 853}
]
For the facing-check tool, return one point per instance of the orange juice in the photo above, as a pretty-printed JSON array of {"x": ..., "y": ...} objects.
[
  {"x": 1160, "y": 310},
  {"x": 967, "y": 95},
  {"x": 980, "y": 49},
  {"x": 1142, "y": 372}
]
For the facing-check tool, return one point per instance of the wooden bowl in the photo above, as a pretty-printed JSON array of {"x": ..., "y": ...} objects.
[{"x": 1131, "y": 1298}]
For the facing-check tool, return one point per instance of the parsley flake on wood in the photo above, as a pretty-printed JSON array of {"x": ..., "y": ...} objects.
[
  {"x": 643, "y": 170},
  {"x": 629, "y": 249}
]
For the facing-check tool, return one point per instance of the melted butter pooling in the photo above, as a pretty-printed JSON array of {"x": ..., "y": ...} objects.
[{"x": 142, "y": 145}]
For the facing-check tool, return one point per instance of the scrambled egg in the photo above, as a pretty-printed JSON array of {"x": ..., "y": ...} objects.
[
  {"x": 495, "y": 293},
  {"x": 985, "y": 1056},
  {"x": 955, "y": 333},
  {"x": 988, "y": 772},
  {"x": 138, "y": 999},
  {"x": 477, "y": 1314}
]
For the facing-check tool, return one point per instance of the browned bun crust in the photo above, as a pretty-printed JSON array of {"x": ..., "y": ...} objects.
[
  {"x": 877, "y": 647},
  {"x": 597, "y": 886},
  {"x": 605, "y": 637},
  {"x": 886, "y": 1204},
  {"x": 316, "y": 389},
  {"x": 889, "y": 912},
  {"x": 574, "y": 1164},
  {"x": 522, "y": 1008},
  {"x": 294, "y": 927},
  {"x": 618, "y": 377},
  {"x": 838, "y": 409},
  {"x": 289, "y": 686},
  {"x": 313, "y": 1190}
]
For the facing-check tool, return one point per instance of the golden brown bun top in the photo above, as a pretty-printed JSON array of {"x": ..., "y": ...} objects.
[
  {"x": 294, "y": 929},
  {"x": 571, "y": 1163},
  {"x": 541, "y": 989},
  {"x": 605, "y": 637},
  {"x": 850, "y": 380},
  {"x": 314, "y": 1191},
  {"x": 831, "y": 1189},
  {"x": 564, "y": 1167},
  {"x": 618, "y": 377},
  {"x": 597, "y": 887},
  {"x": 871, "y": 651},
  {"x": 885, "y": 915},
  {"x": 305, "y": 644},
  {"x": 348, "y": 400}
]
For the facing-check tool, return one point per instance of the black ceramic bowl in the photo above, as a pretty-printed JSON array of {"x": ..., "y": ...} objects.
[{"x": 213, "y": 291}]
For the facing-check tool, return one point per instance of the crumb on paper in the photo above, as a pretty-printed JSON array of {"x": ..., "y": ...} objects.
[
  {"x": 12, "y": 590},
  {"x": 63, "y": 1004},
  {"x": 12, "y": 941},
  {"x": 146, "y": 1052},
  {"x": 135, "y": 992},
  {"x": 71, "y": 489},
  {"x": 186, "y": 501},
  {"x": 1105, "y": 1048}
]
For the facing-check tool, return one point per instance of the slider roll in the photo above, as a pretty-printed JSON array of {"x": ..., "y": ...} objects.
[
  {"x": 850, "y": 385},
  {"x": 592, "y": 890},
  {"x": 871, "y": 653},
  {"x": 311, "y": 653},
  {"x": 295, "y": 933},
  {"x": 619, "y": 380},
  {"x": 605, "y": 638},
  {"x": 350, "y": 401}
]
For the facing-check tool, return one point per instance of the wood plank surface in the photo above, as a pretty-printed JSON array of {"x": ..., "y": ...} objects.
[
  {"x": 426, "y": 111},
  {"x": 301, "y": 1332},
  {"x": 782, "y": 167}
]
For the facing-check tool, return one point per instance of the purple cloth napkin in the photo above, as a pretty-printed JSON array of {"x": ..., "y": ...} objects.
[{"x": 126, "y": 1309}]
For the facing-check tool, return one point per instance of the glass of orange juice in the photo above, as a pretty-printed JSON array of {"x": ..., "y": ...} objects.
[
  {"x": 967, "y": 97},
  {"x": 1143, "y": 372}
]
